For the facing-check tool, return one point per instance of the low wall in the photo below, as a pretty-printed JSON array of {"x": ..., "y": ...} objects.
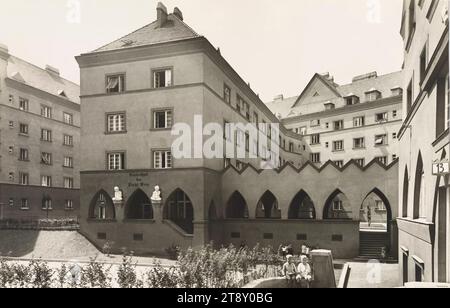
[
  {"x": 141, "y": 237},
  {"x": 341, "y": 237}
]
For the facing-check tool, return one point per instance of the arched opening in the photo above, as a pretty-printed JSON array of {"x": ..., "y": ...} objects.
[
  {"x": 212, "y": 212},
  {"x": 139, "y": 206},
  {"x": 419, "y": 190},
  {"x": 405, "y": 194},
  {"x": 102, "y": 207},
  {"x": 180, "y": 211},
  {"x": 302, "y": 207},
  {"x": 375, "y": 226},
  {"x": 237, "y": 207},
  {"x": 267, "y": 207},
  {"x": 337, "y": 207}
]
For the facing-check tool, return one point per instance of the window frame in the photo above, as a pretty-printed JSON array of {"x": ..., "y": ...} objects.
[
  {"x": 166, "y": 111},
  {"x": 165, "y": 165},
  {"x": 122, "y": 163},
  {"x": 119, "y": 75},
  {"x": 154, "y": 71}
]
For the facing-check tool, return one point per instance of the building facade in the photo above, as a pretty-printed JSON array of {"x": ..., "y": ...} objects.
[
  {"x": 138, "y": 91},
  {"x": 358, "y": 121},
  {"x": 39, "y": 142},
  {"x": 424, "y": 139}
]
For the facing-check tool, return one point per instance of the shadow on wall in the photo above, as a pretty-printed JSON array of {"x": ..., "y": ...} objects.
[{"x": 15, "y": 243}]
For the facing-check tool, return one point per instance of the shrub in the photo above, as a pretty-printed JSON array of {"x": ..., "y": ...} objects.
[{"x": 96, "y": 275}]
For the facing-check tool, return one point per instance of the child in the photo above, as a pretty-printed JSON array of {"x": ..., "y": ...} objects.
[
  {"x": 289, "y": 271},
  {"x": 304, "y": 272}
]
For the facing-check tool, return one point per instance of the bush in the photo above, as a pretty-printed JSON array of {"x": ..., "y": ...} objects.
[
  {"x": 126, "y": 275},
  {"x": 96, "y": 275}
]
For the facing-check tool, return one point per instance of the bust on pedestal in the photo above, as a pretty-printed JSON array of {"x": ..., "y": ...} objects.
[
  {"x": 156, "y": 196},
  {"x": 118, "y": 196}
]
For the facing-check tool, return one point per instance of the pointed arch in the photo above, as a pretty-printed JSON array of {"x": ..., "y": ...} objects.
[
  {"x": 302, "y": 207},
  {"x": 385, "y": 207},
  {"x": 267, "y": 207},
  {"x": 237, "y": 207},
  {"x": 418, "y": 188},
  {"x": 405, "y": 194},
  {"x": 337, "y": 206},
  {"x": 139, "y": 206},
  {"x": 179, "y": 210},
  {"x": 102, "y": 206}
]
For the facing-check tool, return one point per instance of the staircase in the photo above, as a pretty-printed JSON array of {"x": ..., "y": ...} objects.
[{"x": 371, "y": 244}]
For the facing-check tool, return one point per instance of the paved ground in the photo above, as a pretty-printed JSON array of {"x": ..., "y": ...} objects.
[{"x": 374, "y": 275}]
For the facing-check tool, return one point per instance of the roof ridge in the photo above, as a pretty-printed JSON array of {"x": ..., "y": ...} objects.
[{"x": 43, "y": 69}]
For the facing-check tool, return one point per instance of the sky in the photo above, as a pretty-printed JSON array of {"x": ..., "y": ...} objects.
[{"x": 276, "y": 45}]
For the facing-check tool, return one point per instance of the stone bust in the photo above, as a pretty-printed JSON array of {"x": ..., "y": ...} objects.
[
  {"x": 156, "y": 194},
  {"x": 118, "y": 195}
]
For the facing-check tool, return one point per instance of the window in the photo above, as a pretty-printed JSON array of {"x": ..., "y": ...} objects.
[
  {"x": 68, "y": 183},
  {"x": 255, "y": 118},
  {"x": 380, "y": 140},
  {"x": 11, "y": 202},
  {"x": 411, "y": 19},
  {"x": 11, "y": 99},
  {"x": 246, "y": 110},
  {"x": 227, "y": 94},
  {"x": 46, "y": 158},
  {"x": 162, "y": 78},
  {"x": 382, "y": 159},
  {"x": 359, "y": 143},
  {"x": 116, "y": 161},
  {"x": 327, "y": 145},
  {"x": 338, "y": 206},
  {"x": 162, "y": 159},
  {"x": 47, "y": 204},
  {"x": 68, "y": 118},
  {"x": 409, "y": 96},
  {"x": 394, "y": 157},
  {"x": 227, "y": 131},
  {"x": 394, "y": 135},
  {"x": 315, "y": 158},
  {"x": 24, "y": 155},
  {"x": 23, "y": 104},
  {"x": 380, "y": 205},
  {"x": 116, "y": 123},
  {"x": 339, "y": 163},
  {"x": 102, "y": 236},
  {"x": 115, "y": 83},
  {"x": 68, "y": 140},
  {"x": 291, "y": 147},
  {"x": 11, "y": 150},
  {"x": 361, "y": 162},
  {"x": 46, "y": 112},
  {"x": 423, "y": 63},
  {"x": 338, "y": 146},
  {"x": 247, "y": 142},
  {"x": 373, "y": 95},
  {"x": 24, "y": 178},
  {"x": 162, "y": 119},
  {"x": 315, "y": 139},
  {"x": 351, "y": 100},
  {"x": 315, "y": 123},
  {"x": 239, "y": 103},
  {"x": 46, "y": 135},
  {"x": 240, "y": 139},
  {"x": 24, "y": 204},
  {"x": 394, "y": 113},
  {"x": 46, "y": 181},
  {"x": 11, "y": 176},
  {"x": 68, "y": 162},
  {"x": 138, "y": 237},
  {"x": 68, "y": 205},
  {"x": 359, "y": 121},
  {"x": 338, "y": 125},
  {"x": 303, "y": 130},
  {"x": 239, "y": 165},
  {"x": 23, "y": 129},
  {"x": 327, "y": 125},
  {"x": 11, "y": 124},
  {"x": 227, "y": 163},
  {"x": 381, "y": 117}
]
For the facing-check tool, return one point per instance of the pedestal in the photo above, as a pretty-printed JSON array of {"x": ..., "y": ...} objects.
[
  {"x": 323, "y": 269},
  {"x": 157, "y": 211}
]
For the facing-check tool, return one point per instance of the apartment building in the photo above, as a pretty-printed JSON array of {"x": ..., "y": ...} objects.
[
  {"x": 424, "y": 139},
  {"x": 39, "y": 141}
]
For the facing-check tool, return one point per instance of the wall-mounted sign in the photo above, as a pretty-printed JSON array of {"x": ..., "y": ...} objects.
[{"x": 441, "y": 167}]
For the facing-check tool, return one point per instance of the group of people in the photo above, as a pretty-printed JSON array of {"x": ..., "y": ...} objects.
[{"x": 300, "y": 275}]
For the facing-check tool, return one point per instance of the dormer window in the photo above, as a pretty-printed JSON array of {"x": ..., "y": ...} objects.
[
  {"x": 329, "y": 106},
  {"x": 351, "y": 99},
  {"x": 115, "y": 83},
  {"x": 62, "y": 93},
  {"x": 373, "y": 95},
  {"x": 397, "y": 91}
]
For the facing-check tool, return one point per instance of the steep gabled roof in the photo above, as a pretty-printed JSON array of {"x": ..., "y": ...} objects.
[
  {"x": 173, "y": 30},
  {"x": 331, "y": 85}
]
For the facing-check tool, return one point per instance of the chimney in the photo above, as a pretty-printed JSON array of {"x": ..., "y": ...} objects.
[
  {"x": 52, "y": 70},
  {"x": 177, "y": 12},
  {"x": 279, "y": 98},
  {"x": 162, "y": 14},
  {"x": 4, "y": 52}
]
